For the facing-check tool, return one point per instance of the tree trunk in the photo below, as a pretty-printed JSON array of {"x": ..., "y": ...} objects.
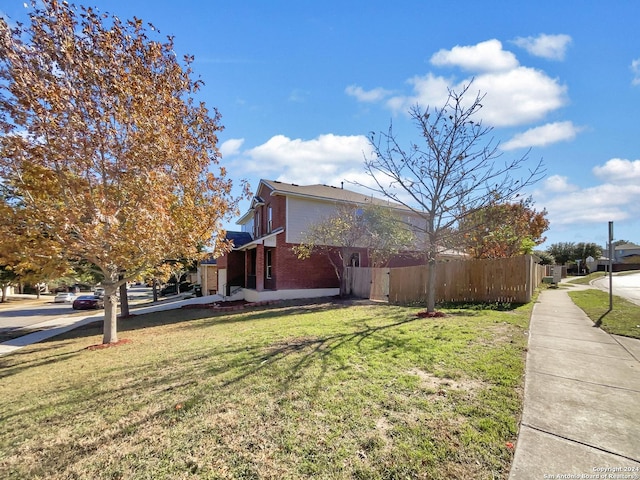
[
  {"x": 343, "y": 283},
  {"x": 431, "y": 290},
  {"x": 110, "y": 330},
  {"x": 155, "y": 290},
  {"x": 124, "y": 301},
  {"x": 432, "y": 255}
]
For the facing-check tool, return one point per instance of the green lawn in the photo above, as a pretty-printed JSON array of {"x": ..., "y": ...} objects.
[
  {"x": 586, "y": 279},
  {"x": 624, "y": 319},
  {"x": 322, "y": 391}
]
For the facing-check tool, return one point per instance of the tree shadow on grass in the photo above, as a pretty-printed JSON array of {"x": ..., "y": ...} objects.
[
  {"x": 20, "y": 360},
  {"x": 207, "y": 372},
  {"x": 13, "y": 364},
  {"x": 190, "y": 317},
  {"x": 309, "y": 350}
]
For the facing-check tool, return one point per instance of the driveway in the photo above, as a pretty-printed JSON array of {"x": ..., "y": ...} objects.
[{"x": 624, "y": 285}]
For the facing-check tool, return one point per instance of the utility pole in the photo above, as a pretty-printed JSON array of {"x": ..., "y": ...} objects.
[{"x": 610, "y": 266}]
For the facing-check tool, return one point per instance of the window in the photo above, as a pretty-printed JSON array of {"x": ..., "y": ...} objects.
[
  {"x": 268, "y": 262},
  {"x": 269, "y": 219},
  {"x": 354, "y": 261},
  {"x": 256, "y": 216}
]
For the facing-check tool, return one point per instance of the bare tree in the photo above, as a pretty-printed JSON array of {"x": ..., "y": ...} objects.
[{"x": 452, "y": 172}]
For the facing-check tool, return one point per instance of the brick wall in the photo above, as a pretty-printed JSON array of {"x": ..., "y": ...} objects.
[{"x": 292, "y": 273}]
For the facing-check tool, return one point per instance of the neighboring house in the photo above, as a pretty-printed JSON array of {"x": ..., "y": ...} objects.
[
  {"x": 208, "y": 275},
  {"x": 627, "y": 253},
  {"x": 262, "y": 264}
]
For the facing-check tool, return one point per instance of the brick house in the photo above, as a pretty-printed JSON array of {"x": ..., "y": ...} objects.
[{"x": 262, "y": 265}]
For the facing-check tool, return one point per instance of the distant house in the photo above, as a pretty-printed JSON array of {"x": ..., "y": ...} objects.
[
  {"x": 262, "y": 265},
  {"x": 208, "y": 275},
  {"x": 627, "y": 253}
]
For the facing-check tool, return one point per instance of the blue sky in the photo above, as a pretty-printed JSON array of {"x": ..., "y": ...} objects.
[{"x": 300, "y": 84}]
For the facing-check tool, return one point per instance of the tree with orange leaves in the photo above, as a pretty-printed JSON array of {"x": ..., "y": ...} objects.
[
  {"x": 105, "y": 146},
  {"x": 504, "y": 230}
]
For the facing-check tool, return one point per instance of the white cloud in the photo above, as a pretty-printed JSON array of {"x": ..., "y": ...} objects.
[
  {"x": 615, "y": 199},
  {"x": 519, "y": 96},
  {"x": 374, "y": 95},
  {"x": 552, "y": 47},
  {"x": 428, "y": 90},
  {"x": 515, "y": 94},
  {"x": 558, "y": 184},
  {"x": 483, "y": 57},
  {"x": 619, "y": 170},
  {"x": 231, "y": 147},
  {"x": 543, "y": 135},
  {"x": 635, "y": 68},
  {"x": 328, "y": 159},
  {"x": 599, "y": 204},
  {"x": 513, "y": 97}
]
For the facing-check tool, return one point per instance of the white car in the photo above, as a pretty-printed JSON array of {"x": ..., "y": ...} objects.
[{"x": 64, "y": 297}]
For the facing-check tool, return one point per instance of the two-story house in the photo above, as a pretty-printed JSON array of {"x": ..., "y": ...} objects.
[{"x": 263, "y": 264}]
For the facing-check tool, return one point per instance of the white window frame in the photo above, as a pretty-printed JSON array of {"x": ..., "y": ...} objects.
[{"x": 268, "y": 263}]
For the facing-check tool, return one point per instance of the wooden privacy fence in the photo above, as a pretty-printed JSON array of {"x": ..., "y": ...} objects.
[
  {"x": 501, "y": 280},
  {"x": 372, "y": 283}
]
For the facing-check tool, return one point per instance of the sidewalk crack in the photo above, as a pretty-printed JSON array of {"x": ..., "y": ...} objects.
[{"x": 542, "y": 430}]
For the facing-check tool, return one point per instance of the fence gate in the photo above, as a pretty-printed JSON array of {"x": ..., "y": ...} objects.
[
  {"x": 372, "y": 283},
  {"x": 380, "y": 284}
]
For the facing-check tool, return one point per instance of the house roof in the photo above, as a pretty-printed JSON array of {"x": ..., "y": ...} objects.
[
  {"x": 265, "y": 240},
  {"x": 325, "y": 192},
  {"x": 238, "y": 238},
  {"x": 317, "y": 192},
  {"x": 627, "y": 246},
  {"x": 210, "y": 260}
]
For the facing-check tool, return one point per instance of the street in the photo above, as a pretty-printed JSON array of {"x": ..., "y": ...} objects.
[
  {"x": 16, "y": 317},
  {"x": 23, "y": 316},
  {"x": 49, "y": 320},
  {"x": 625, "y": 286}
]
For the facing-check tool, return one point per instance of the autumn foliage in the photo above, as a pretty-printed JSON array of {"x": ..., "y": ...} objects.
[
  {"x": 503, "y": 230},
  {"x": 103, "y": 143}
]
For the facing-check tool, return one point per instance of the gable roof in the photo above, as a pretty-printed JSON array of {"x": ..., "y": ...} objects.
[
  {"x": 314, "y": 192},
  {"x": 325, "y": 192},
  {"x": 627, "y": 246},
  {"x": 238, "y": 238}
]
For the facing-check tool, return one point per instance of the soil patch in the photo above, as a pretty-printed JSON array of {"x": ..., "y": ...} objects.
[
  {"x": 425, "y": 314},
  {"x": 102, "y": 346}
]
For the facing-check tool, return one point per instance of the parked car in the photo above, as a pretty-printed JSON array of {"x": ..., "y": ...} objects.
[
  {"x": 64, "y": 297},
  {"x": 87, "y": 302},
  {"x": 172, "y": 289},
  {"x": 99, "y": 291}
]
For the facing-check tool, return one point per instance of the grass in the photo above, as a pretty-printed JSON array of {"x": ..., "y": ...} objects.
[
  {"x": 624, "y": 319},
  {"x": 328, "y": 391},
  {"x": 586, "y": 279}
]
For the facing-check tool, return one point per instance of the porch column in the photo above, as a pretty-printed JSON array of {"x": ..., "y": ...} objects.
[{"x": 260, "y": 268}]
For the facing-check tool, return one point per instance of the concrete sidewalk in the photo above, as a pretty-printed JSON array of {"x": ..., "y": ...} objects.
[
  {"x": 57, "y": 326},
  {"x": 581, "y": 414}
]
